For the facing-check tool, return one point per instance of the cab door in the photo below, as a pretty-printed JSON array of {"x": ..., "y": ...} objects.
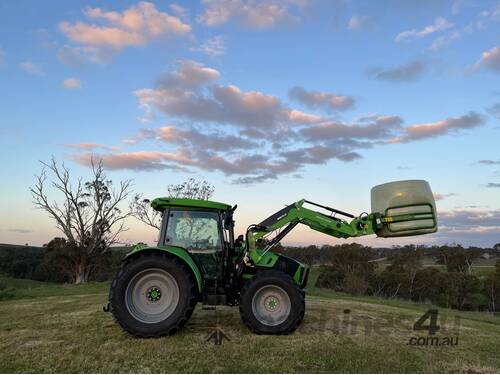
[{"x": 200, "y": 233}]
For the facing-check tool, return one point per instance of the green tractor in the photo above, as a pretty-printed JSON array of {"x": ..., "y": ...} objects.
[{"x": 198, "y": 259}]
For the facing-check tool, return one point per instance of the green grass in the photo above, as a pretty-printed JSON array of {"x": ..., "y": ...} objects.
[
  {"x": 23, "y": 288},
  {"x": 61, "y": 328}
]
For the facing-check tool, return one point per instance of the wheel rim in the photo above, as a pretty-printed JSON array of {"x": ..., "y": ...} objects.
[
  {"x": 152, "y": 295},
  {"x": 271, "y": 305}
]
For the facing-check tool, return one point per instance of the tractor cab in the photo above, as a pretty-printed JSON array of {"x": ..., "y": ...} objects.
[{"x": 205, "y": 230}]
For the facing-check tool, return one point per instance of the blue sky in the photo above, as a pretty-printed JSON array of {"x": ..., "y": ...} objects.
[{"x": 270, "y": 101}]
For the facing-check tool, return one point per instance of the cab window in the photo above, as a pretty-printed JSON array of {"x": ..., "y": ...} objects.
[{"x": 197, "y": 232}]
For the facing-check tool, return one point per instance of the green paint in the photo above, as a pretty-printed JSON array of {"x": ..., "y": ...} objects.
[
  {"x": 160, "y": 204},
  {"x": 299, "y": 273}
]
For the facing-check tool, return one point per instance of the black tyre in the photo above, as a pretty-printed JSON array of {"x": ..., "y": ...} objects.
[
  {"x": 152, "y": 295},
  {"x": 271, "y": 303}
]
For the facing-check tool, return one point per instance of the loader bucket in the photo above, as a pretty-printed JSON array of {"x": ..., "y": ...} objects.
[{"x": 407, "y": 208}]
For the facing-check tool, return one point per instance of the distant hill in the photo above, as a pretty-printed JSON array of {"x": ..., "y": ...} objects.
[
  {"x": 35, "y": 249},
  {"x": 25, "y": 248}
]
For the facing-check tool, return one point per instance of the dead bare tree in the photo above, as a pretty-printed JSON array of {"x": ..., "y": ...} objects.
[
  {"x": 192, "y": 189},
  {"x": 141, "y": 209},
  {"x": 88, "y": 213}
]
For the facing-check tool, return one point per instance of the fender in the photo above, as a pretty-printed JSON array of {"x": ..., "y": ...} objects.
[{"x": 176, "y": 251}]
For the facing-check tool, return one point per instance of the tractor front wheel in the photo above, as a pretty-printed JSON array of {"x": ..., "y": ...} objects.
[
  {"x": 271, "y": 303},
  {"x": 152, "y": 295}
]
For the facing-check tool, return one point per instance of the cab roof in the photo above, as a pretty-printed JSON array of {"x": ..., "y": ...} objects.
[{"x": 160, "y": 204}]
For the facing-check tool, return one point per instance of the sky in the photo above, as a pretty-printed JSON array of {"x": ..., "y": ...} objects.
[{"x": 270, "y": 101}]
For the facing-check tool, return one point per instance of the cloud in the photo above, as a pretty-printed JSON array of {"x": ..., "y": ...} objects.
[
  {"x": 91, "y": 146},
  {"x": 20, "y": 230},
  {"x": 493, "y": 185},
  {"x": 494, "y": 110},
  {"x": 208, "y": 142},
  {"x": 194, "y": 138},
  {"x": 440, "y": 197},
  {"x": 31, "y": 67},
  {"x": 470, "y": 218},
  {"x": 439, "y": 24},
  {"x": 71, "y": 83},
  {"x": 380, "y": 127},
  {"x": 138, "y": 161},
  {"x": 179, "y": 10},
  {"x": 249, "y": 136},
  {"x": 489, "y": 60},
  {"x": 189, "y": 93},
  {"x": 438, "y": 128},
  {"x": 443, "y": 40},
  {"x": 112, "y": 31},
  {"x": 357, "y": 22},
  {"x": 212, "y": 47},
  {"x": 322, "y": 100},
  {"x": 489, "y": 162},
  {"x": 189, "y": 74},
  {"x": 129, "y": 141},
  {"x": 469, "y": 225},
  {"x": 142, "y": 134},
  {"x": 253, "y": 13},
  {"x": 404, "y": 73},
  {"x": 488, "y": 16}
]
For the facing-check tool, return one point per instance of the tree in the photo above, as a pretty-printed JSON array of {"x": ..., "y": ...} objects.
[
  {"x": 88, "y": 213},
  {"x": 492, "y": 288},
  {"x": 141, "y": 209},
  {"x": 405, "y": 263},
  {"x": 458, "y": 259},
  {"x": 350, "y": 267}
]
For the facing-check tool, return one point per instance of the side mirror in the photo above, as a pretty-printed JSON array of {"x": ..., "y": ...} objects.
[
  {"x": 239, "y": 241},
  {"x": 228, "y": 218}
]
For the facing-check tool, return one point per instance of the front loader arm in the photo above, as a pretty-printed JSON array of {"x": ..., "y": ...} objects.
[{"x": 287, "y": 218}]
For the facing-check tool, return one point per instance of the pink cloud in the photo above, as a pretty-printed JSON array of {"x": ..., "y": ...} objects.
[
  {"x": 490, "y": 59},
  {"x": 254, "y": 13},
  {"x": 136, "y": 26},
  {"x": 438, "y": 128},
  {"x": 139, "y": 160},
  {"x": 439, "y": 24},
  {"x": 91, "y": 146}
]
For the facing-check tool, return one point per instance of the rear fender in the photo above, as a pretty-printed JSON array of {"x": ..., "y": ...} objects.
[{"x": 178, "y": 252}]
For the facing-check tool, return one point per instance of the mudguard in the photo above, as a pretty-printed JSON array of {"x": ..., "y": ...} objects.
[{"x": 176, "y": 251}]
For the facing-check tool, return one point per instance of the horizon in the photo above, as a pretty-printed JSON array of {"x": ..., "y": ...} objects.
[{"x": 269, "y": 101}]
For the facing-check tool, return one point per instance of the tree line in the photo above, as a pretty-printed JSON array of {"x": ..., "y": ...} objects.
[{"x": 451, "y": 282}]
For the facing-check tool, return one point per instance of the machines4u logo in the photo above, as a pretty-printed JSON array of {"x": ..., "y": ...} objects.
[{"x": 429, "y": 323}]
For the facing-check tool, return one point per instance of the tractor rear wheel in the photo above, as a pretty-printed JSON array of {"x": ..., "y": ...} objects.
[
  {"x": 152, "y": 295},
  {"x": 271, "y": 303}
]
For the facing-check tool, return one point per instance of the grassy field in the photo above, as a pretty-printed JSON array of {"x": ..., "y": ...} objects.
[{"x": 55, "y": 328}]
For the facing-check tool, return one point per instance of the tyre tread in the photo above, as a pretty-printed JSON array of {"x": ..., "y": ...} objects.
[
  {"x": 180, "y": 322},
  {"x": 245, "y": 312}
]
